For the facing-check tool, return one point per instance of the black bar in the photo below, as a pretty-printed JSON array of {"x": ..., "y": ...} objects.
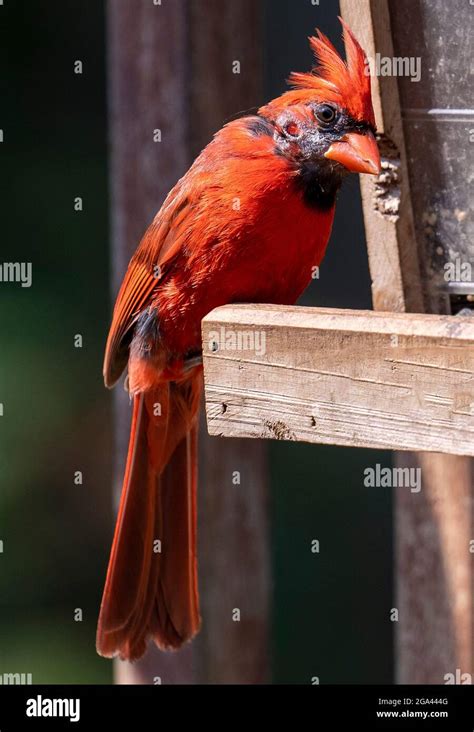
[{"x": 138, "y": 707}]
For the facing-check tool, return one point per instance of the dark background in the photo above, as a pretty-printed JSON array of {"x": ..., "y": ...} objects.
[{"x": 331, "y": 610}]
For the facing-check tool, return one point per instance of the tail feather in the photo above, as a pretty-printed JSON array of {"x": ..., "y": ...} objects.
[{"x": 151, "y": 586}]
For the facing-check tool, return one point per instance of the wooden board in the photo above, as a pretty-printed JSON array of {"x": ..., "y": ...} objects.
[
  {"x": 358, "y": 378},
  {"x": 387, "y": 207}
]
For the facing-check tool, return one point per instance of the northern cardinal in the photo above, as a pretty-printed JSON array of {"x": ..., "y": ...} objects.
[{"x": 247, "y": 223}]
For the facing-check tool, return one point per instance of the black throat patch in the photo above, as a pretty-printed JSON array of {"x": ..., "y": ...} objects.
[{"x": 319, "y": 186}]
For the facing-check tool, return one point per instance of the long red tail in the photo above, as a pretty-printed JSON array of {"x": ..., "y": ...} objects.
[{"x": 151, "y": 586}]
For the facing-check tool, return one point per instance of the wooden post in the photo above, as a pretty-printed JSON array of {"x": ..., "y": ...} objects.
[
  {"x": 434, "y": 634},
  {"x": 171, "y": 85},
  {"x": 234, "y": 537}
]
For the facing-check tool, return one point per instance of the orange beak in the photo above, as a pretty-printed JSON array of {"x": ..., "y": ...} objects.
[{"x": 356, "y": 152}]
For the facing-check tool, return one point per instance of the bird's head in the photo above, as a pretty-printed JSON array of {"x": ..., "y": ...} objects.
[{"x": 327, "y": 120}]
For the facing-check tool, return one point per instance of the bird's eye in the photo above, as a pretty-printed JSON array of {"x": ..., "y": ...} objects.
[{"x": 325, "y": 114}]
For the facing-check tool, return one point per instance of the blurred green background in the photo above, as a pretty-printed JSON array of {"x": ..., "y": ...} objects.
[
  {"x": 331, "y": 610},
  {"x": 57, "y": 416}
]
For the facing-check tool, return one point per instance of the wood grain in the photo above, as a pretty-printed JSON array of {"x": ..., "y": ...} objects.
[
  {"x": 357, "y": 378},
  {"x": 387, "y": 207}
]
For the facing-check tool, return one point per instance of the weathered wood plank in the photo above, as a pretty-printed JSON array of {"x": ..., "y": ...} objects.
[
  {"x": 357, "y": 378},
  {"x": 387, "y": 206}
]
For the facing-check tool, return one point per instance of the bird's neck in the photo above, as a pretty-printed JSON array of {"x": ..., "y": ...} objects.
[{"x": 318, "y": 185}]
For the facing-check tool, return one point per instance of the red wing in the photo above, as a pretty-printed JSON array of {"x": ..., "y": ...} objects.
[{"x": 145, "y": 272}]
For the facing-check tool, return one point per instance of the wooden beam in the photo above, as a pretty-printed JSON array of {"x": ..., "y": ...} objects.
[
  {"x": 434, "y": 578},
  {"x": 387, "y": 207},
  {"x": 357, "y": 378},
  {"x": 434, "y": 581}
]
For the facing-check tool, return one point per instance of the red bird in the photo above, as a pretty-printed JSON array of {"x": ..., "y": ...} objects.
[{"x": 247, "y": 223}]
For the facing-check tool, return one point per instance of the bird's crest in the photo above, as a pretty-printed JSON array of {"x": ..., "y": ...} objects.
[{"x": 346, "y": 83}]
